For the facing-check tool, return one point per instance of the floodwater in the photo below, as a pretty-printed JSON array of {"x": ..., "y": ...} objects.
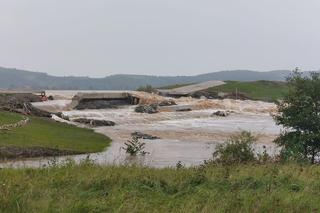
[{"x": 186, "y": 137}]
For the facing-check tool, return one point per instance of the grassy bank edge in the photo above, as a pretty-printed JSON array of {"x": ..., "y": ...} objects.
[
  {"x": 263, "y": 90},
  {"x": 49, "y": 138}
]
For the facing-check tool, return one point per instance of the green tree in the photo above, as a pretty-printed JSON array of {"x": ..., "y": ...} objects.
[{"x": 299, "y": 113}]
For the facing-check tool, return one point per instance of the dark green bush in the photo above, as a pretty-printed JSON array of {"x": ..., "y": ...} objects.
[{"x": 237, "y": 149}]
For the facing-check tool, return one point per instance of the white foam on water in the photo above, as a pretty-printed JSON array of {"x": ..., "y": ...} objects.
[{"x": 189, "y": 137}]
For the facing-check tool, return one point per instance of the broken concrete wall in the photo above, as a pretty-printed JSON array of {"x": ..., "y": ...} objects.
[{"x": 103, "y": 100}]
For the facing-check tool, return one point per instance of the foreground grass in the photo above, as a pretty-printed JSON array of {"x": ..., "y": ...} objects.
[
  {"x": 89, "y": 188},
  {"x": 258, "y": 90},
  {"x": 42, "y": 132}
]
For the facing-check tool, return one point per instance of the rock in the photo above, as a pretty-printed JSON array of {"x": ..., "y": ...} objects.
[
  {"x": 144, "y": 136},
  {"x": 169, "y": 102},
  {"x": 184, "y": 110},
  {"x": 8, "y": 127},
  {"x": 221, "y": 113},
  {"x": 94, "y": 122},
  {"x": 150, "y": 109},
  {"x": 204, "y": 94},
  {"x": 61, "y": 115},
  {"x": 102, "y": 123}
]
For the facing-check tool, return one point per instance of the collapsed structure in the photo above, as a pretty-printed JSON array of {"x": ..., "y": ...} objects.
[
  {"x": 100, "y": 100},
  {"x": 189, "y": 89},
  {"x": 20, "y": 102}
]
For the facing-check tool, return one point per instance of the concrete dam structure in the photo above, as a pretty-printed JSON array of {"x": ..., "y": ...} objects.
[
  {"x": 101, "y": 100},
  {"x": 188, "y": 90}
]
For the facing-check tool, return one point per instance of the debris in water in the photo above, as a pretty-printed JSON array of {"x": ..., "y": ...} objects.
[
  {"x": 221, "y": 113},
  {"x": 169, "y": 102},
  {"x": 94, "y": 122},
  {"x": 150, "y": 109},
  {"x": 144, "y": 136}
]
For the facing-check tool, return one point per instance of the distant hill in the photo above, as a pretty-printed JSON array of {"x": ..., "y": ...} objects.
[{"x": 21, "y": 79}]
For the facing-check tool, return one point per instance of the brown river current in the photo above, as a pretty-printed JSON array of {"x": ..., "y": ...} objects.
[{"x": 188, "y": 137}]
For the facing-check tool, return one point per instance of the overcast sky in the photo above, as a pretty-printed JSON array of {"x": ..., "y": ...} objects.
[{"x": 161, "y": 37}]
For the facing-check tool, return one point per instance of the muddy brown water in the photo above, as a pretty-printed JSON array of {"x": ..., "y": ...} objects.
[{"x": 186, "y": 137}]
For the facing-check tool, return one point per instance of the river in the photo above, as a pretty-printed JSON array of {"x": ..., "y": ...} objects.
[{"x": 186, "y": 137}]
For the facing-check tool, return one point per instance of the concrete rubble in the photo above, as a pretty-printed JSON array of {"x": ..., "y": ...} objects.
[
  {"x": 150, "y": 109},
  {"x": 144, "y": 136},
  {"x": 94, "y": 122}
]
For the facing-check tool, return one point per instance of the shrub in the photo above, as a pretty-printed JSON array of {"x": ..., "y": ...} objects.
[
  {"x": 179, "y": 165},
  {"x": 265, "y": 157},
  {"x": 237, "y": 149},
  {"x": 134, "y": 146}
]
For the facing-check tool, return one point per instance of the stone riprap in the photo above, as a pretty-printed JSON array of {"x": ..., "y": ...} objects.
[{"x": 21, "y": 123}]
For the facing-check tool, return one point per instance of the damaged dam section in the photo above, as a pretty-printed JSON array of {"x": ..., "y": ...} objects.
[{"x": 103, "y": 100}]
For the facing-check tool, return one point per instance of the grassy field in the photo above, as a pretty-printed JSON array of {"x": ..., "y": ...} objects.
[
  {"x": 89, "y": 188},
  {"x": 42, "y": 132},
  {"x": 259, "y": 90}
]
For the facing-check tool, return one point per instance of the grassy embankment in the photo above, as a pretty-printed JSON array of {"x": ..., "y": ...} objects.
[
  {"x": 257, "y": 90},
  {"x": 9, "y": 118},
  {"x": 89, "y": 188},
  {"x": 46, "y": 133}
]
